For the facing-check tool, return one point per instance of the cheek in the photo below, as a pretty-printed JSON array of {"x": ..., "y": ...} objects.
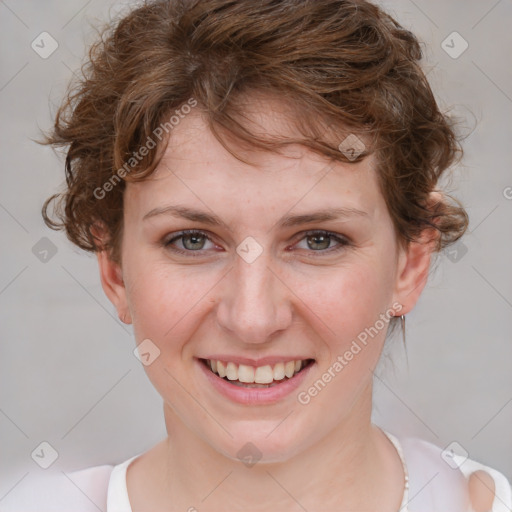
[
  {"x": 348, "y": 318},
  {"x": 161, "y": 299},
  {"x": 346, "y": 301},
  {"x": 166, "y": 306},
  {"x": 169, "y": 304}
]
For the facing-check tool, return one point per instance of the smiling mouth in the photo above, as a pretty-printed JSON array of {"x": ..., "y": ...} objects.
[{"x": 261, "y": 377}]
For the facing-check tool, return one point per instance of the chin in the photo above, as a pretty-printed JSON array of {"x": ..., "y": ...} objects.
[{"x": 256, "y": 445}]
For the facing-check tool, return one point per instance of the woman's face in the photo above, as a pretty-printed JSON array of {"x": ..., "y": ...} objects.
[{"x": 254, "y": 288}]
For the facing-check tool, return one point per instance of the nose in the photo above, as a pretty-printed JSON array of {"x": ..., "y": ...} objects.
[{"x": 255, "y": 304}]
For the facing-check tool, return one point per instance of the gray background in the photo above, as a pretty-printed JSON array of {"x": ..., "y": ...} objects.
[{"x": 68, "y": 374}]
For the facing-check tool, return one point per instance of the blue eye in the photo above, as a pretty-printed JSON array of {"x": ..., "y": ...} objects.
[{"x": 193, "y": 241}]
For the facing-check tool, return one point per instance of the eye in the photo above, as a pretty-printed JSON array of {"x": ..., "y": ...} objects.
[
  {"x": 192, "y": 240},
  {"x": 320, "y": 242}
]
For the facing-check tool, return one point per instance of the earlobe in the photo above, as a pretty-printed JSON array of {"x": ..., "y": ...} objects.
[{"x": 113, "y": 285}]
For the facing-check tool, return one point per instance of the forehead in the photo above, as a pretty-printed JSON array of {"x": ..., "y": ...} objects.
[{"x": 196, "y": 168}]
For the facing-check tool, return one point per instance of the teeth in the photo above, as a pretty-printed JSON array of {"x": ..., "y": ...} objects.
[
  {"x": 264, "y": 375},
  {"x": 289, "y": 369},
  {"x": 279, "y": 371},
  {"x": 231, "y": 371},
  {"x": 260, "y": 375},
  {"x": 245, "y": 373},
  {"x": 221, "y": 369}
]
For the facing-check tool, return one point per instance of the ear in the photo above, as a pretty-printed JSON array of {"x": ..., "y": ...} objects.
[
  {"x": 414, "y": 263},
  {"x": 112, "y": 280}
]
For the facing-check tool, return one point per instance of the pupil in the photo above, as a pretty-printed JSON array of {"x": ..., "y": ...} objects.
[
  {"x": 194, "y": 239},
  {"x": 324, "y": 238}
]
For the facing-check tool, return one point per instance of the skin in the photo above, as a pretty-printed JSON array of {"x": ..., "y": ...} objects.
[
  {"x": 481, "y": 491},
  {"x": 302, "y": 301}
]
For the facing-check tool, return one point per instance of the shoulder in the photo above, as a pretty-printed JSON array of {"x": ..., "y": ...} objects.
[
  {"x": 84, "y": 490},
  {"x": 439, "y": 479},
  {"x": 93, "y": 482}
]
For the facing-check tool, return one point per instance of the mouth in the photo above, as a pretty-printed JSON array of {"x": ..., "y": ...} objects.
[{"x": 267, "y": 376}]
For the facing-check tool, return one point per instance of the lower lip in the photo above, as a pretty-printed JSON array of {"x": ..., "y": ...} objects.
[{"x": 254, "y": 396}]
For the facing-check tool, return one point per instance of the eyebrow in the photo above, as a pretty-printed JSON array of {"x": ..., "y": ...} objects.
[{"x": 286, "y": 221}]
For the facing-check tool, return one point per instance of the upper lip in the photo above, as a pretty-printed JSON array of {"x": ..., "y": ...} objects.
[{"x": 263, "y": 361}]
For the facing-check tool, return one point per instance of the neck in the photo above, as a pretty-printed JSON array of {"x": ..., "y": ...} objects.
[{"x": 349, "y": 469}]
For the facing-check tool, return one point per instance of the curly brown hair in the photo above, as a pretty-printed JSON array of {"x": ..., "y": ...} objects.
[{"x": 343, "y": 64}]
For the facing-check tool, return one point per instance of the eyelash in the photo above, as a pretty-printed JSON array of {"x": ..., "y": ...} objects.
[{"x": 343, "y": 242}]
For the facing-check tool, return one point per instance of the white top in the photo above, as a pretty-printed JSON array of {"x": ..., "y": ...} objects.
[{"x": 436, "y": 481}]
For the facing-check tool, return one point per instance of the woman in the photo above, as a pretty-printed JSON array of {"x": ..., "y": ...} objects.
[{"x": 259, "y": 181}]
